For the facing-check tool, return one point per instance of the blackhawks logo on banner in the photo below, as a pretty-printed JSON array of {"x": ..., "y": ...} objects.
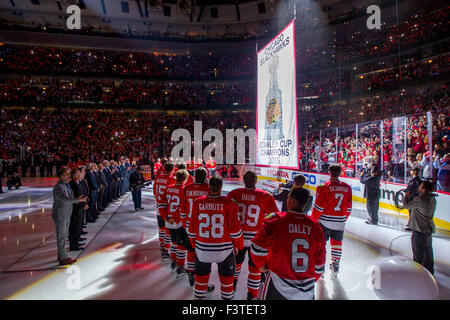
[
  {"x": 273, "y": 111},
  {"x": 274, "y": 122}
]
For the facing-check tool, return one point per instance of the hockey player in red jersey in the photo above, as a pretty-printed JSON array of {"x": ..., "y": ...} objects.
[
  {"x": 192, "y": 191},
  {"x": 161, "y": 182},
  {"x": 332, "y": 207},
  {"x": 254, "y": 205},
  {"x": 216, "y": 235},
  {"x": 173, "y": 198},
  {"x": 190, "y": 166},
  {"x": 156, "y": 166},
  {"x": 291, "y": 247},
  {"x": 211, "y": 165},
  {"x": 182, "y": 166}
]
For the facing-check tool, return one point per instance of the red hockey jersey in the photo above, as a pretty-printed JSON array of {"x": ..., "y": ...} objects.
[
  {"x": 198, "y": 164},
  {"x": 192, "y": 192},
  {"x": 156, "y": 167},
  {"x": 190, "y": 165},
  {"x": 333, "y": 204},
  {"x": 211, "y": 164},
  {"x": 173, "y": 197},
  {"x": 215, "y": 229},
  {"x": 254, "y": 205},
  {"x": 161, "y": 182},
  {"x": 291, "y": 245}
]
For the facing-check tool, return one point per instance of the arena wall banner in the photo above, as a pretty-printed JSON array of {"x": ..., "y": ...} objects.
[
  {"x": 270, "y": 177},
  {"x": 276, "y": 116}
]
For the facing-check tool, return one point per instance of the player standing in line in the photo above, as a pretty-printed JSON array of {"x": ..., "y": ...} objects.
[
  {"x": 254, "y": 205},
  {"x": 199, "y": 188},
  {"x": 156, "y": 166},
  {"x": 190, "y": 166},
  {"x": 211, "y": 167},
  {"x": 161, "y": 182},
  {"x": 173, "y": 197},
  {"x": 332, "y": 207},
  {"x": 182, "y": 166},
  {"x": 290, "y": 245},
  {"x": 216, "y": 235}
]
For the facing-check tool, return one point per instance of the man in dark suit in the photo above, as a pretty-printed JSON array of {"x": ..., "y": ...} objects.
[
  {"x": 84, "y": 190},
  {"x": 116, "y": 179},
  {"x": 33, "y": 165},
  {"x": 120, "y": 171},
  {"x": 136, "y": 184},
  {"x": 93, "y": 191},
  {"x": 109, "y": 181},
  {"x": 101, "y": 181},
  {"x": 372, "y": 193},
  {"x": 76, "y": 220},
  {"x": 60, "y": 161},
  {"x": 125, "y": 176},
  {"x": 24, "y": 166},
  {"x": 42, "y": 165},
  {"x": 49, "y": 165}
]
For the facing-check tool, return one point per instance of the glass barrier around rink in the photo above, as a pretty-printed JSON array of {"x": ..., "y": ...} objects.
[
  {"x": 346, "y": 149},
  {"x": 327, "y": 155},
  {"x": 395, "y": 149},
  {"x": 312, "y": 150},
  {"x": 369, "y": 147},
  {"x": 395, "y": 145},
  {"x": 439, "y": 130}
]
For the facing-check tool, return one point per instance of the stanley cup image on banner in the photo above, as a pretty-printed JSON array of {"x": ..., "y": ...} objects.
[{"x": 274, "y": 115}]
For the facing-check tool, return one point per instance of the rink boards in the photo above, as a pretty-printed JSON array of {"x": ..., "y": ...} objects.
[{"x": 271, "y": 177}]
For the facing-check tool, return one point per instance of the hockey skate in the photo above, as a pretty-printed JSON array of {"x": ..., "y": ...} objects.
[
  {"x": 250, "y": 297},
  {"x": 165, "y": 256},
  {"x": 173, "y": 266},
  {"x": 180, "y": 272},
  {"x": 191, "y": 278},
  {"x": 334, "y": 267}
]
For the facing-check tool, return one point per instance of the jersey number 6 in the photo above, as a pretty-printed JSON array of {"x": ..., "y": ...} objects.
[{"x": 296, "y": 255}]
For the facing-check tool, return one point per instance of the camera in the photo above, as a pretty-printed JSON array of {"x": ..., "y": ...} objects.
[{"x": 287, "y": 185}]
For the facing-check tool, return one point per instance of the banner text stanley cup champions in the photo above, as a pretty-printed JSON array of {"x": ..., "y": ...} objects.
[{"x": 276, "y": 122}]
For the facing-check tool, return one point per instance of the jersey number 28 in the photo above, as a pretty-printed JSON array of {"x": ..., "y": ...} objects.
[{"x": 216, "y": 222}]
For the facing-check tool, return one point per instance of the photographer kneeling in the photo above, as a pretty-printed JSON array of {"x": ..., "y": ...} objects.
[{"x": 422, "y": 208}]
